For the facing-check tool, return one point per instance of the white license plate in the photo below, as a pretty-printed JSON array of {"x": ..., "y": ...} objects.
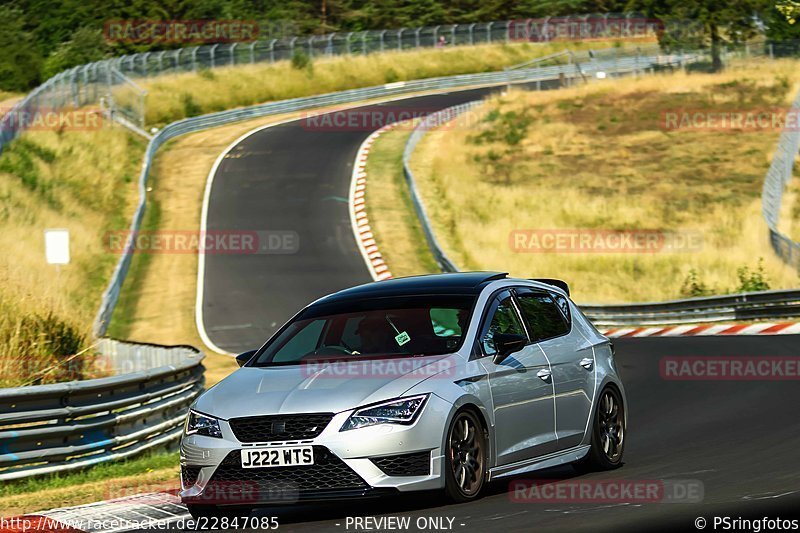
[{"x": 277, "y": 456}]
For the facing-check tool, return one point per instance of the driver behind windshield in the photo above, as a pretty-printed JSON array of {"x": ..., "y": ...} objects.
[{"x": 377, "y": 336}]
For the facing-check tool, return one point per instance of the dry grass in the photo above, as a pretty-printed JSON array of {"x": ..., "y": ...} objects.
[
  {"x": 177, "y": 96},
  {"x": 392, "y": 217},
  {"x": 79, "y": 180},
  {"x": 596, "y": 157}
]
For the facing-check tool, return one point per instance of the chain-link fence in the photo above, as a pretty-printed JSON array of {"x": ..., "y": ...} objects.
[
  {"x": 110, "y": 83},
  {"x": 778, "y": 177}
]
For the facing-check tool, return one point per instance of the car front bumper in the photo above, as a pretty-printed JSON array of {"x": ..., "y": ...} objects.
[{"x": 375, "y": 460}]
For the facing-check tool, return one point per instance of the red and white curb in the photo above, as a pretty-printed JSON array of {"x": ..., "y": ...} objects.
[
  {"x": 358, "y": 211},
  {"x": 702, "y": 330},
  {"x": 132, "y": 513}
]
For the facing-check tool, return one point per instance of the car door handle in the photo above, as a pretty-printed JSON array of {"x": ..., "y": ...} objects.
[
  {"x": 586, "y": 363},
  {"x": 544, "y": 374}
]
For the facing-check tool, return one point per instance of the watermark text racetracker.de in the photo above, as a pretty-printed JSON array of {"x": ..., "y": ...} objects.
[
  {"x": 219, "y": 242},
  {"x": 729, "y": 368},
  {"x": 210, "y": 31},
  {"x": 628, "y": 491},
  {"x": 51, "y": 119},
  {"x": 26, "y": 524},
  {"x": 647, "y": 241}
]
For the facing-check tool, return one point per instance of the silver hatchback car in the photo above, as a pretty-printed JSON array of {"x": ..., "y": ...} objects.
[{"x": 443, "y": 381}]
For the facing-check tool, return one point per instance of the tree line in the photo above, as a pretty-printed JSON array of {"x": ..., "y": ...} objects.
[{"x": 39, "y": 38}]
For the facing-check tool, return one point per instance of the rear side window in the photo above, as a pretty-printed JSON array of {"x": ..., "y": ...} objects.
[
  {"x": 503, "y": 320},
  {"x": 544, "y": 316}
]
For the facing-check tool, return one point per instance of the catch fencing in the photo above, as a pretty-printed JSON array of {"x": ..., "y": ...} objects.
[
  {"x": 779, "y": 175},
  {"x": 111, "y": 84},
  {"x": 65, "y": 426}
]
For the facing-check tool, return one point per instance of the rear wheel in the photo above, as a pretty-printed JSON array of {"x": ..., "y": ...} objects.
[
  {"x": 465, "y": 458},
  {"x": 608, "y": 433}
]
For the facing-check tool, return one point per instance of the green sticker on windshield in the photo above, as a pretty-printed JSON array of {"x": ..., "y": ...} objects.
[{"x": 402, "y": 338}]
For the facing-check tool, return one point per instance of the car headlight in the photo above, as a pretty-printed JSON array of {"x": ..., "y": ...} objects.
[
  {"x": 403, "y": 411},
  {"x": 200, "y": 424}
]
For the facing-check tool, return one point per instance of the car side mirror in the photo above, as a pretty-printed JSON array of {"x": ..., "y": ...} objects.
[
  {"x": 506, "y": 344},
  {"x": 242, "y": 358}
]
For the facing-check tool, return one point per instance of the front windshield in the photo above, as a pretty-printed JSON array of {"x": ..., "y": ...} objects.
[{"x": 376, "y": 327}]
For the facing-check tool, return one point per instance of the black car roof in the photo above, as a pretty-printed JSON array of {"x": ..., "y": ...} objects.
[{"x": 450, "y": 283}]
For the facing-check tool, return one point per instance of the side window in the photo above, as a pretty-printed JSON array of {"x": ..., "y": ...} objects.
[
  {"x": 304, "y": 342},
  {"x": 545, "y": 317},
  {"x": 503, "y": 319},
  {"x": 563, "y": 305}
]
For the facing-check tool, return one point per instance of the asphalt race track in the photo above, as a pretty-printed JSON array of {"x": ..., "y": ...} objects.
[{"x": 738, "y": 438}]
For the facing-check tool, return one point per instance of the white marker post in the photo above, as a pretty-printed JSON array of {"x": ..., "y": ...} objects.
[{"x": 56, "y": 247}]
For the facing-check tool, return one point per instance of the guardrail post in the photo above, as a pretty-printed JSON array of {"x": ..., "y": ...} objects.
[
  {"x": 382, "y": 39},
  {"x": 364, "y": 43},
  {"x": 348, "y": 38},
  {"x": 329, "y": 46},
  {"x": 194, "y": 58},
  {"x": 291, "y": 47},
  {"x": 233, "y": 53},
  {"x": 416, "y": 35},
  {"x": 272, "y": 50},
  {"x": 471, "y": 34},
  {"x": 436, "y": 36},
  {"x": 489, "y": 32},
  {"x": 400, "y": 39}
]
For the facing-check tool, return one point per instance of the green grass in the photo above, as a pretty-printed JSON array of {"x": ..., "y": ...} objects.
[
  {"x": 172, "y": 97},
  {"x": 133, "y": 289},
  {"x": 390, "y": 211},
  {"x": 102, "y": 472}
]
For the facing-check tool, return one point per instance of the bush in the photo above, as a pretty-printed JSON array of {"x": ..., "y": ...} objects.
[
  {"x": 693, "y": 286},
  {"x": 190, "y": 107},
  {"x": 752, "y": 281},
  {"x": 301, "y": 61}
]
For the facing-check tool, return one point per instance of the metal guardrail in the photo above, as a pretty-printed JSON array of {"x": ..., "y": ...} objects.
[
  {"x": 622, "y": 61},
  {"x": 64, "y": 426},
  {"x": 778, "y": 177},
  {"x": 747, "y": 306},
  {"x": 769, "y": 305}
]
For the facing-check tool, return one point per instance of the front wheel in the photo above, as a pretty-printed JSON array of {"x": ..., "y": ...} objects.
[
  {"x": 608, "y": 433},
  {"x": 465, "y": 458}
]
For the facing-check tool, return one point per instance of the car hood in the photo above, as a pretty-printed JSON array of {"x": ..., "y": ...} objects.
[{"x": 320, "y": 388}]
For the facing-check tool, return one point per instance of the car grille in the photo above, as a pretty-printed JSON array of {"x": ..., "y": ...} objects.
[
  {"x": 279, "y": 427},
  {"x": 189, "y": 475},
  {"x": 327, "y": 473},
  {"x": 409, "y": 464}
]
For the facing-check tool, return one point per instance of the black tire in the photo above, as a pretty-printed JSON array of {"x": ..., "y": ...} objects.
[
  {"x": 212, "y": 511},
  {"x": 465, "y": 458},
  {"x": 608, "y": 433}
]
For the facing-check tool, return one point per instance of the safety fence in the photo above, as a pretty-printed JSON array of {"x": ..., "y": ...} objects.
[
  {"x": 64, "y": 426},
  {"x": 779, "y": 175}
]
